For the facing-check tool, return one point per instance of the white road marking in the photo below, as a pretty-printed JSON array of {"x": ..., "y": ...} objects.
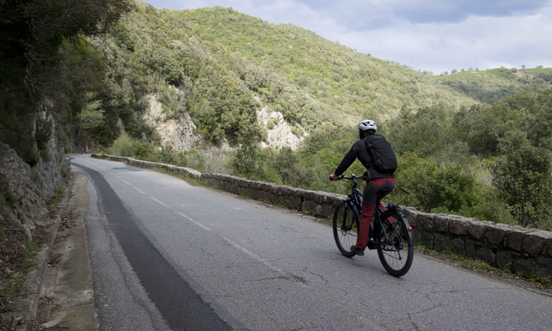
[
  {"x": 196, "y": 223},
  {"x": 134, "y": 187},
  {"x": 236, "y": 208},
  {"x": 161, "y": 203},
  {"x": 254, "y": 256},
  {"x": 124, "y": 180}
]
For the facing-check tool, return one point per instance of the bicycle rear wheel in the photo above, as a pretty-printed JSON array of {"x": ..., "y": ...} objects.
[
  {"x": 395, "y": 243},
  {"x": 345, "y": 228}
]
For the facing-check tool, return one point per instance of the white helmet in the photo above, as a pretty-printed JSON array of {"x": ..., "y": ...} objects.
[{"x": 367, "y": 125}]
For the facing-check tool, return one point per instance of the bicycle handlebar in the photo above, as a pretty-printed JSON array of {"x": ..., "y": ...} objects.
[{"x": 352, "y": 177}]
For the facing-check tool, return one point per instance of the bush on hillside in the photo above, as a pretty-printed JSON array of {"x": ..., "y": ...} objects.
[{"x": 523, "y": 178}]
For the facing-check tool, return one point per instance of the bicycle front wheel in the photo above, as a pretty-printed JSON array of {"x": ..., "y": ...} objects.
[
  {"x": 345, "y": 228},
  {"x": 395, "y": 243}
]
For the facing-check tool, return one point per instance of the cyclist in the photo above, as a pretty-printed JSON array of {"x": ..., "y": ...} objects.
[{"x": 377, "y": 181}]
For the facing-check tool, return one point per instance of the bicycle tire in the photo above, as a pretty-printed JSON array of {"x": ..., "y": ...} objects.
[
  {"x": 345, "y": 228},
  {"x": 392, "y": 255}
]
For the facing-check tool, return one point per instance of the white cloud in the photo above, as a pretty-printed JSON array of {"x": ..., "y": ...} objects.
[{"x": 476, "y": 41}]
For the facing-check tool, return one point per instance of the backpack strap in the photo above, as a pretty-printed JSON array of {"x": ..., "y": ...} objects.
[
  {"x": 370, "y": 150},
  {"x": 400, "y": 188}
]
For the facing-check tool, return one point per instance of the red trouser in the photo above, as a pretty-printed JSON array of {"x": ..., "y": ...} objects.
[{"x": 369, "y": 205}]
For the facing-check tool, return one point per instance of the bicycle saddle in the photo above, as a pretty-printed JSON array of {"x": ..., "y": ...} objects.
[{"x": 383, "y": 192}]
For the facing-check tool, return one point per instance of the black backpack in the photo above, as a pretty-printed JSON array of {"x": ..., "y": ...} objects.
[{"x": 383, "y": 157}]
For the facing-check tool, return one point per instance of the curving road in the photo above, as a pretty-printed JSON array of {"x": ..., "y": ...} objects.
[{"x": 167, "y": 255}]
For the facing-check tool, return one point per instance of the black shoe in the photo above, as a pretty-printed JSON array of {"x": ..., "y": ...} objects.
[{"x": 359, "y": 252}]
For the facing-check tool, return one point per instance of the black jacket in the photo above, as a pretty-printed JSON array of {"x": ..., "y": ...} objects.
[{"x": 359, "y": 151}]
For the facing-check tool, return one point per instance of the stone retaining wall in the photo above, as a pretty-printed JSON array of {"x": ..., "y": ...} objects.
[
  {"x": 526, "y": 251},
  {"x": 519, "y": 250}
]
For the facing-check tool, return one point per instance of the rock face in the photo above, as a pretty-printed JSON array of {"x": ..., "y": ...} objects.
[
  {"x": 279, "y": 132},
  {"x": 47, "y": 174},
  {"x": 22, "y": 199},
  {"x": 24, "y": 190},
  {"x": 180, "y": 134}
]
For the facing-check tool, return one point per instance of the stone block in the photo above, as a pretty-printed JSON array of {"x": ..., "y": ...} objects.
[
  {"x": 495, "y": 233},
  {"x": 523, "y": 266},
  {"x": 427, "y": 240},
  {"x": 310, "y": 195},
  {"x": 477, "y": 229},
  {"x": 457, "y": 246},
  {"x": 440, "y": 242},
  {"x": 318, "y": 210},
  {"x": 543, "y": 267},
  {"x": 327, "y": 210},
  {"x": 470, "y": 249},
  {"x": 514, "y": 239},
  {"x": 309, "y": 206},
  {"x": 459, "y": 226},
  {"x": 294, "y": 202},
  {"x": 425, "y": 220},
  {"x": 412, "y": 216},
  {"x": 504, "y": 259},
  {"x": 533, "y": 242},
  {"x": 441, "y": 223},
  {"x": 550, "y": 247},
  {"x": 486, "y": 255},
  {"x": 416, "y": 235}
]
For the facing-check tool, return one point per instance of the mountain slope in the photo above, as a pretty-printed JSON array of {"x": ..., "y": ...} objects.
[{"x": 223, "y": 67}]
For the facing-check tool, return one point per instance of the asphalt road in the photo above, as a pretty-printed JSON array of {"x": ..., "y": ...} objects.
[{"x": 167, "y": 255}]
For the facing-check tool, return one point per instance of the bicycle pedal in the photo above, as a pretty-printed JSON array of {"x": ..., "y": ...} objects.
[{"x": 372, "y": 245}]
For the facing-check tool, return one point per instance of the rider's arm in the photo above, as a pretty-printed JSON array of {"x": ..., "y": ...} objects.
[{"x": 347, "y": 161}]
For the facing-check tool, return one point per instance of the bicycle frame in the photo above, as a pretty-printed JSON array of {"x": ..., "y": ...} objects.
[{"x": 355, "y": 201}]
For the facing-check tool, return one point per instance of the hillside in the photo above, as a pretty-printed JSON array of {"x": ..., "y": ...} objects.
[
  {"x": 341, "y": 79},
  {"x": 218, "y": 68},
  {"x": 189, "y": 66},
  {"x": 489, "y": 86}
]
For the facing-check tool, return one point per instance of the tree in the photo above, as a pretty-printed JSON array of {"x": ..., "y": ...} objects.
[
  {"x": 523, "y": 66},
  {"x": 523, "y": 177},
  {"x": 91, "y": 116},
  {"x": 454, "y": 71},
  {"x": 32, "y": 31}
]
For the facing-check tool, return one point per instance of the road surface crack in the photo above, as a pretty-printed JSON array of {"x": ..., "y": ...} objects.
[
  {"x": 465, "y": 290},
  {"x": 269, "y": 278}
]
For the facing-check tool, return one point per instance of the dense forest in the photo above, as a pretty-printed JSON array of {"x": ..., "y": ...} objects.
[{"x": 475, "y": 142}]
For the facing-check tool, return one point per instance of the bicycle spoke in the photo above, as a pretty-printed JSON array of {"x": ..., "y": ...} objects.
[
  {"x": 345, "y": 228},
  {"x": 394, "y": 252}
]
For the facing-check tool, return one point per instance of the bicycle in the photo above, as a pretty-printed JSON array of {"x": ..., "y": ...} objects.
[{"x": 390, "y": 232}]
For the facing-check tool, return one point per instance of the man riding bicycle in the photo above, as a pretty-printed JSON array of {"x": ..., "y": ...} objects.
[{"x": 377, "y": 180}]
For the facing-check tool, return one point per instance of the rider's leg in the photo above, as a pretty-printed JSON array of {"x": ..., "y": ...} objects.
[{"x": 369, "y": 206}]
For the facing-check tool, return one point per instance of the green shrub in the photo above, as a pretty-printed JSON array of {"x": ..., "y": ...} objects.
[
  {"x": 446, "y": 189},
  {"x": 145, "y": 151},
  {"x": 123, "y": 146},
  {"x": 523, "y": 178},
  {"x": 270, "y": 124}
]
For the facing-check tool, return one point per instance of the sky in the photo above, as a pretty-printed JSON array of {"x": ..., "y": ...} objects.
[{"x": 424, "y": 34}]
